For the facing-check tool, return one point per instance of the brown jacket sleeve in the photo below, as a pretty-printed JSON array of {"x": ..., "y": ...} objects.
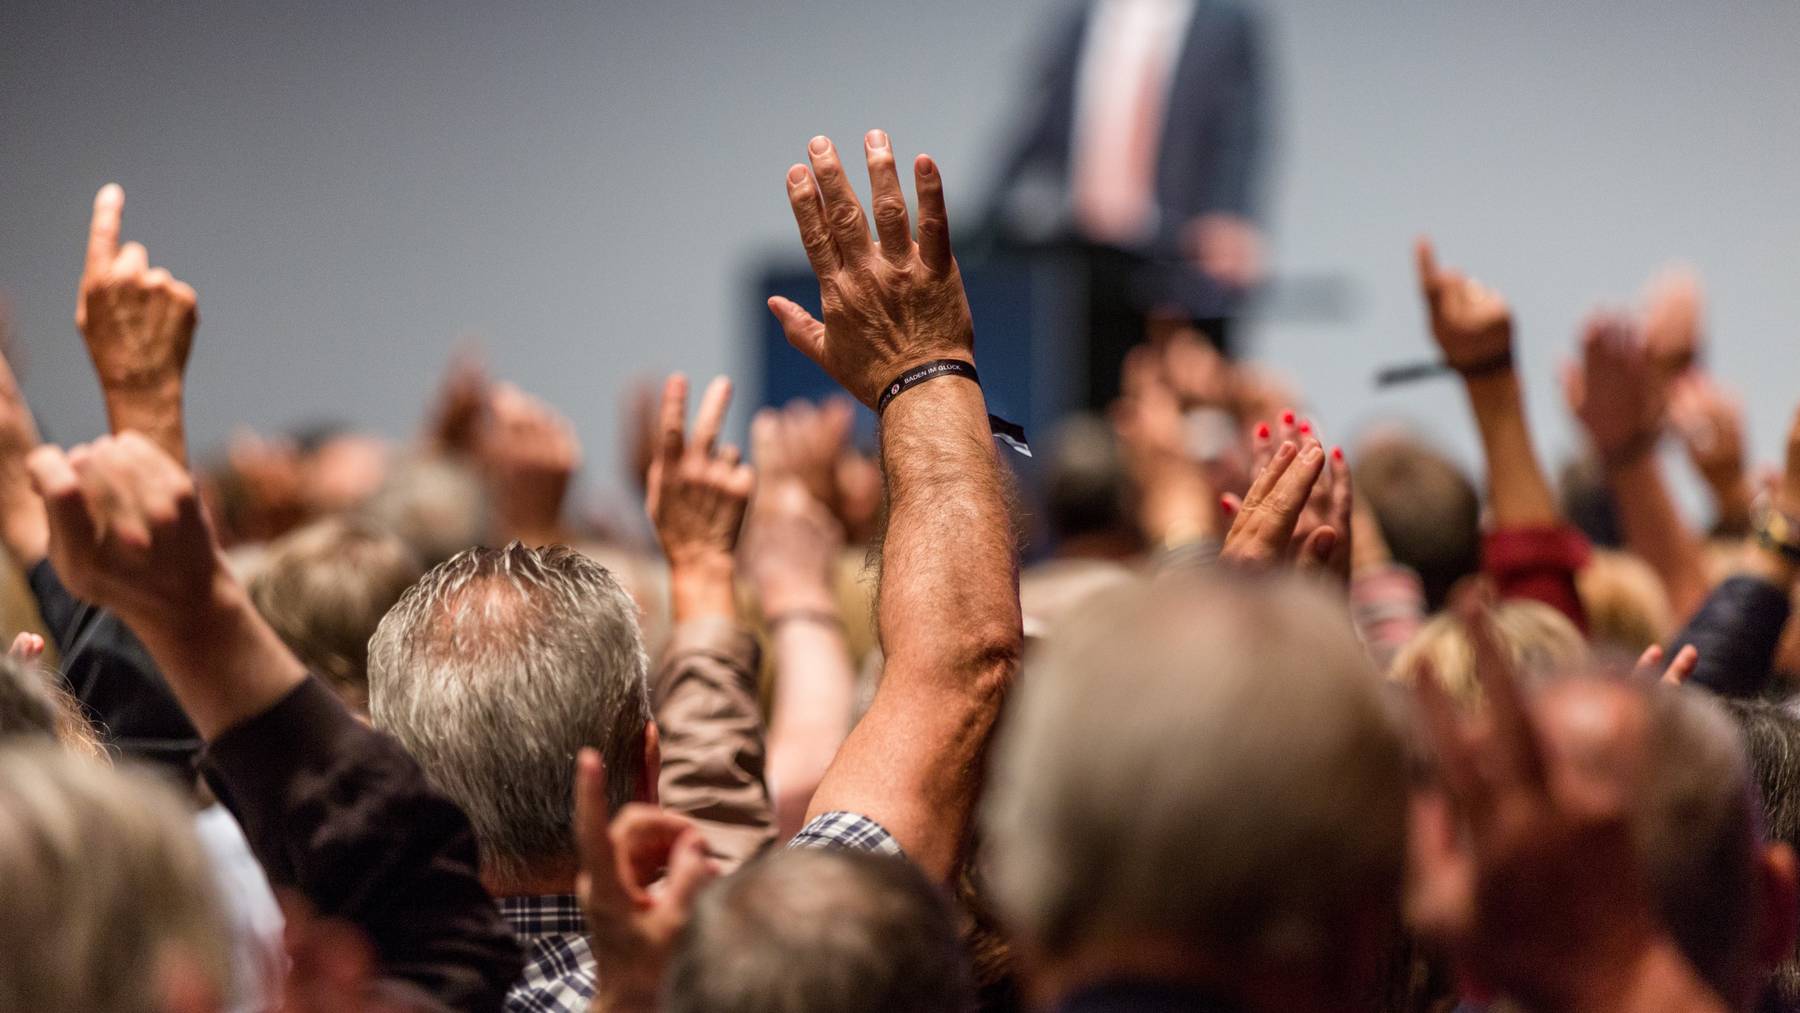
[{"x": 713, "y": 751}]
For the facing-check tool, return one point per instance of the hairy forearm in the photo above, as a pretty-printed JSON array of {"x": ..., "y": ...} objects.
[
  {"x": 221, "y": 660},
  {"x": 949, "y": 605},
  {"x": 1655, "y": 530},
  {"x": 1518, "y": 492}
]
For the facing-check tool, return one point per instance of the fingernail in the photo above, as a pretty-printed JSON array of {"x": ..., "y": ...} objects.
[
  {"x": 1315, "y": 453},
  {"x": 797, "y": 175},
  {"x": 1262, "y": 430},
  {"x": 877, "y": 139},
  {"x": 820, "y": 145},
  {"x": 1226, "y": 505},
  {"x": 1337, "y": 453},
  {"x": 1287, "y": 418},
  {"x": 1306, "y": 429},
  {"x": 926, "y": 165}
]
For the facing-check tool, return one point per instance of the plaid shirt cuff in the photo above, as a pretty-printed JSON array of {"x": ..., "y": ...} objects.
[{"x": 848, "y": 831}]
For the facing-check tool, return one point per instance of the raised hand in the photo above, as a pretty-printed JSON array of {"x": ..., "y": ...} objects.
[
  {"x": 1471, "y": 323},
  {"x": 698, "y": 487},
  {"x": 454, "y": 424},
  {"x": 1176, "y": 502},
  {"x": 1319, "y": 534},
  {"x": 698, "y": 492},
  {"x": 1674, "y": 311},
  {"x": 127, "y": 530},
  {"x": 1710, "y": 423},
  {"x": 888, "y": 305},
  {"x": 1263, "y": 524},
  {"x": 1613, "y": 392},
  {"x": 792, "y": 539},
  {"x": 633, "y": 920},
  {"x": 530, "y": 454},
  {"x": 138, "y": 323}
]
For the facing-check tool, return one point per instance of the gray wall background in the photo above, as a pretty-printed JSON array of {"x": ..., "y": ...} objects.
[{"x": 351, "y": 186}]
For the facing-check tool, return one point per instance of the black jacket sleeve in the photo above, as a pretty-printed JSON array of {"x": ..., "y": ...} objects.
[
  {"x": 340, "y": 812},
  {"x": 111, "y": 674},
  {"x": 1736, "y": 632}
]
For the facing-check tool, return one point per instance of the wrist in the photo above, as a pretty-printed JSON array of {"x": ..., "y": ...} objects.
[
  {"x": 702, "y": 584},
  {"x": 798, "y": 597},
  {"x": 154, "y": 409}
]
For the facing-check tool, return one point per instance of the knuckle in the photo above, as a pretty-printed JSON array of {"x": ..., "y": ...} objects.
[
  {"x": 844, "y": 215},
  {"x": 890, "y": 211}
]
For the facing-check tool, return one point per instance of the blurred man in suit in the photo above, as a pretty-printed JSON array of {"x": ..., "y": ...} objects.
[{"x": 1141, "y": 158}]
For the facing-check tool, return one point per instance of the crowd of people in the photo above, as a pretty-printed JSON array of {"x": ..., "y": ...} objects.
[{"x": 1268, "y": 723}]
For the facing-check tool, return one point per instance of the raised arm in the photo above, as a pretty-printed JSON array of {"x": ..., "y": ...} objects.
[
  {"x": 1619, "y": 401},
  {"x": 330, "y": 807},
  {"x": 138, "y": 323},
  {"x": 1530, "y": 552},
  {"x": 949, "y": 609},
  {"x": 791, "y": 548}
]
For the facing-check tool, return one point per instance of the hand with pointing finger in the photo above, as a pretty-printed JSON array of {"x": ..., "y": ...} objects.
[
  {"x": 890, "y": 304},
  {"x": 138, "y": 323}
]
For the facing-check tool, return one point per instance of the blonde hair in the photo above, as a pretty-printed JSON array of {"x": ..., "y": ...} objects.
[
  {"x": 1627, "y": 606},
  {"x": 1541, "y": 641},
  {"x": 106, "y": 888}
]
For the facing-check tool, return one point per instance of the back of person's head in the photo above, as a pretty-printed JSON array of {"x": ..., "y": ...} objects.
[
  {"x": 110, "y": 904},
  {"x": 33, "y": 709},
  {"x": 1681, "y": 762},
  {"x": 1207, "y": 766},
  {"x": 1428, "y": 510},
  {"x": 494, "y": 670},
  {"x": 1626, "y": 605},
  {"x": 1541, "y": 641},
  {"x": 325, "y": 588},
  {"x": 809, "y": 929},
  {"x": 1771, "y": 734},
  {"x": 438, "y": 506},
  {"x": 1086, "y": 489}
]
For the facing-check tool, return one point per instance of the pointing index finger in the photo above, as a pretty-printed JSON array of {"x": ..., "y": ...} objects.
[{"x": 103, "y": 230}]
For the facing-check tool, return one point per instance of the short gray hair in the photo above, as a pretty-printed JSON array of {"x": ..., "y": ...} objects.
[
  {"x": 811, "y": 929},
  {"x": 494, "y": 670},
  {"x": 104, "y": 881},
  {"x": 1206, "y": 761}
]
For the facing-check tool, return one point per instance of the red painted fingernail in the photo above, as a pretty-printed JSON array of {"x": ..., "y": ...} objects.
[
  {"x": 1287, "y": 418},
  {"x": 1262, "y": 430},
  {"x": 1337, "y": 453},
  {"x": 1306, "y": 429},
  {"x": 1227, "y": 505}
]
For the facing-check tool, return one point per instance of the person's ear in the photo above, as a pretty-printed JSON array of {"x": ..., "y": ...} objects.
[
  {"x": 652, "y": 764},
  {"x": 1781, "y": 905}
]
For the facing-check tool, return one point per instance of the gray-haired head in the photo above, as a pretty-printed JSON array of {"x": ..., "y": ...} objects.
[
  {"x": 1207, "y": 765},
  {"x": 494, "y": 670},
  {"x": 808, "y": 929},
  {"x": 107, "y": 889}
]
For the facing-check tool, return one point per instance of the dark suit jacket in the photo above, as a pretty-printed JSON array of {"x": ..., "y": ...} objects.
[{"x": 1210, "y": 141}]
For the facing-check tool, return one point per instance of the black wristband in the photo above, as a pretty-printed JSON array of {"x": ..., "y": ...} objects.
[
  {"x": 919, "y": 374},
  {"x": 1010, "y": 433}
]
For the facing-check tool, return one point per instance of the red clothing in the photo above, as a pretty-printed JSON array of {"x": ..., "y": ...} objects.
[{"x": 1538, "y": 564}]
